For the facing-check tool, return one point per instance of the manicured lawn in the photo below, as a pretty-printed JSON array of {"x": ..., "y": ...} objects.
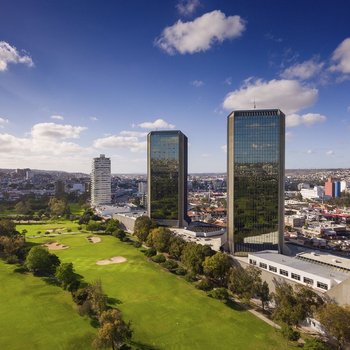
[
  {"x": 76, "y": 209},
  {"x": 60, "y": 226},
  {"x": 166, "y": 311},
  {"x": 35, "y": 315}
]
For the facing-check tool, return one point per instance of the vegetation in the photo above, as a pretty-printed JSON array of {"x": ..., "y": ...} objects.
[
  {"x": 41, "y": 262},
  {"x": 143, "y": 226},
  {"x": 217, "y": 267}
]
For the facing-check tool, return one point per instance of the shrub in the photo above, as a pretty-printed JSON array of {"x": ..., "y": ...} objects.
[
  {"x": 204, "y": 284},
  {"x": 289, "y": 333},
  {"x": 79, "y": 228},
  {"x": 69, "y": 230},
  {"x": 160, "y": 258},
  {"x": 119, "y": 233},
  {"x": 150, "y": 252},
  {"x": 137, "y": 244},
  {"x": 191, "y": 277},
  {"x": 46, "y": 233},
  {"x": 12, "y": 259},
  {"x": 180, "y": 271},
  {"x": 315, "y": 344},
  {"x": 170, "y": 265},
  {"x": 219, "y": 293}
]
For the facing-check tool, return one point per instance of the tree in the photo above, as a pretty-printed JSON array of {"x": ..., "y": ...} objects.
[
  {"x": 143, "y": 225},
  {"x": 176, "y": 246},
  {"x": 336, "y": 320},
  {"x": 288, "y": 309},
  {"x": 23, "y": 207},
  {"x": 7, "y": 228},
  {"x": 263, "y": 293},
  {"x": 289, "y": 333},
  {"x": 66, "y": 275},
  {"x": 309, "y": 300},
  {"x": 114, "y": 332},
  {"x": 192, "y": 257},
  {"x": 97, "y": 298},
  {"x": 244, "y": 282},
  {"x": 217, "y": 267},
  {"x": 159, "y": 238},
  {"x": 12, "y": 246},
  {"x": 111, "y": 226},
  {"x": 93, "y": 226},
  {"x": 58, "y": 207},
  {"x": 40, "y": 261}
]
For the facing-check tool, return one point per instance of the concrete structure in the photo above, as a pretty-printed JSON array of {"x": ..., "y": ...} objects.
[
  {"x": 167, "y": 177},
  {"x": 142, "y": 187},
  {"x": 101, "y": 181},
  {"x": 294, "y": 220},
  {"x": 329, "y": 188},
  {"x": 321, "y": 277},
  {"x": 317, "y": 192},
  {"x": 127, "y": 220},
  {"x": 255, "y": 181}
]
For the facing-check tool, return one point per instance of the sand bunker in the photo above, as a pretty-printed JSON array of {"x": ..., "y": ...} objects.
[
  {"x": 114, "y": 260},
  {"x": 94, "y": 239},
  {"x": 55, "y": 246}
]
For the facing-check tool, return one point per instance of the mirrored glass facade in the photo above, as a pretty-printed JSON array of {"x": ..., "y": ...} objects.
[
  {"x": 255, "y": 180},
  {"x": 167, "y": 177}
]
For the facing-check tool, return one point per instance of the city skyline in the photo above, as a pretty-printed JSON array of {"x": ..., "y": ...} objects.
[{"x": 85, "y": 78}]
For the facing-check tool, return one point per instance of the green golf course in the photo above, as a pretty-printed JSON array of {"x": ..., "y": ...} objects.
[{"x": 166, "y": 311}]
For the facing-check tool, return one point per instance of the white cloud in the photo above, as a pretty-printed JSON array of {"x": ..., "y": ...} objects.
[
  {"x": 304, "y": 70},
  {"x": 200, "y": 34},
  {"x": 9, "y": 54},
  {"x": 157, "y": 124},
  {"x": 309, "y": 151},
  {"x": 56, "y": 131},
  {"x": 289, "y": 136},
  {"x": 187, "y": 7},
  {"x": 94, "y": 119},
  {"x": 288, "y": 95},
  {"x": 57, "y": 117},
  {"x": 224, "y": 148},
  {"x": 341, "y": 58},
  {"x": 133, "y": 133},
  {"x": 116, "y": 141},
  {"x": 305, "y": 119},
  {"x": 330, "y": 153},
  {"x": 3, "y": 122},
  {"x": 197, "y": 83}
]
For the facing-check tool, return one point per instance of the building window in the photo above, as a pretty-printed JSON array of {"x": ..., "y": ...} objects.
[
  {"x": 273, "y": 268},
  {"x": 322, "y": 285},
  {"x": 283, "y": 272},
  {"x": 252, "y": 262},
  {"x": 263, "y": 266},
  {"x": 295, "y": 276},
  {"x": 308, "y": 280}
]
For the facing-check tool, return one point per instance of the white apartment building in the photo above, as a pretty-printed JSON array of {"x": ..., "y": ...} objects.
[
  {"x": 101, "y": 181},
  {"x": 316, "y": 192}
]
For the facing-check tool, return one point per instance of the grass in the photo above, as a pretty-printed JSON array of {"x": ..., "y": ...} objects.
[
  {"x": 36, "y": 315},
  {"x": 166, "y": 311},
  {"x": 60, "y": 225}
]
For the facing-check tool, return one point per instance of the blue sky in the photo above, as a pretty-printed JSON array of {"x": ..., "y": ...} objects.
[{"x": 79, "y": 78}]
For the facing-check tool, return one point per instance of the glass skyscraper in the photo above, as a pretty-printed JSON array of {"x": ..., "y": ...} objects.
[
  {"x": 255, "y": 162},
  {"x": 167, "y": 177}
]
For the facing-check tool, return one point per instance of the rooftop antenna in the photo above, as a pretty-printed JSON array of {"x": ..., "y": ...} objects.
[{"x": 254, "y": 103}]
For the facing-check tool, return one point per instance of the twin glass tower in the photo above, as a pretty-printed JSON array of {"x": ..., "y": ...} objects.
[{"x": 255, "y": 179}]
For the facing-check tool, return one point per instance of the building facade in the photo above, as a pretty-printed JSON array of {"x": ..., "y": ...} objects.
[
  {"x": 167, "y": 177},
  {"x": 255, "y": 181},
  {"x": 101, "y": 181},
  {"x": 329, "y": 188}
]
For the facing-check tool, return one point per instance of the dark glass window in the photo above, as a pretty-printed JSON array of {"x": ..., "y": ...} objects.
[
  {"x": 322, "y": 285},
  {"x": 256, "y": 182},
  {"x": 295, "y": 276},
  {"x": 272, "y": 268},
  {"x": 164, "y": 155},
  {"x": 308, "y": 280},
  {"x": 262, "y": 265},
  {"x": 283, "y": 272}
]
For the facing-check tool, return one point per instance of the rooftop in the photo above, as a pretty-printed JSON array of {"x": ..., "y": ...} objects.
[
  {"x": 303, "y": 265},
  {"x": 326, "y": 259}
]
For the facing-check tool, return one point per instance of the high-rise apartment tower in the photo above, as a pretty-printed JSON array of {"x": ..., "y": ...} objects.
[
  {"x": 255, "y": 180},
  {"x": 167, "y": 177},
  {"x": 101, "y": 181}
]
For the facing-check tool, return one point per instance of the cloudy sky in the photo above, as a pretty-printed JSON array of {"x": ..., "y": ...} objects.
[{"x": 79, "y": 78}]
